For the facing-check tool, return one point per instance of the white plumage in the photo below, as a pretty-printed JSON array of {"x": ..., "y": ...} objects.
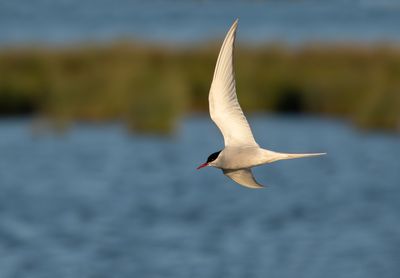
[
  {"x": 241, "y": 151},
  {"x": 225, "y": 110}
]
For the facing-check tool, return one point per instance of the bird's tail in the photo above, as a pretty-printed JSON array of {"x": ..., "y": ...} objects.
[
  {"x": 274, "y": 156},
  {"x": 299, "y": 155}
]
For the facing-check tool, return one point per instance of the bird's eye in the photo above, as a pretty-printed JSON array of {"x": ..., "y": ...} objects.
[{"x": 213, "y": 156}]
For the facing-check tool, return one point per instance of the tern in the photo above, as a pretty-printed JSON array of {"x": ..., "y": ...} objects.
[{"x": 241, "y": 152}]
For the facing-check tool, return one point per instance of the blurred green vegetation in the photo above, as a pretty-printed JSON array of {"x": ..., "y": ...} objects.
[{"x": 150, "y": 87}]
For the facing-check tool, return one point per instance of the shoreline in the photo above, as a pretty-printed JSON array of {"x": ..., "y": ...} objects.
[{"x": 150, "y": 86}]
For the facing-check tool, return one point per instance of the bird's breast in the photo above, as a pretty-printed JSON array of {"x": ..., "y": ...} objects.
[{"x": 240, "y": 157}]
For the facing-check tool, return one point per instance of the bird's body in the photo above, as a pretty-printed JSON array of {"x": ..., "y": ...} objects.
[
  {"x": 234, "y": 158},
  {"x": 241, "y": 157},
  {"x": 241, "y": 151}
]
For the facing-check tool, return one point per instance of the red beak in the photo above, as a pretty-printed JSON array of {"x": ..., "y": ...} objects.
[{"x": 202, "y": 165}]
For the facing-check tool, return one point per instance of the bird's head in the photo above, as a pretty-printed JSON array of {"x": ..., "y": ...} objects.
[{"x": 210, "y": 159}]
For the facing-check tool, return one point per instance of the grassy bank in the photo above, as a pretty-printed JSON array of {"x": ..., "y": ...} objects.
[{"x": 150, "y": 87}]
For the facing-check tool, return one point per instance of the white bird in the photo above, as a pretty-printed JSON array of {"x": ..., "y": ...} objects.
[{"x": 241, "y": 151}]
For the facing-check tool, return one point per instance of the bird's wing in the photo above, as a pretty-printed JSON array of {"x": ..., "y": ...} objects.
[
  {"x": 225, "y": 110},
  {"x": 243, "y": 177}
]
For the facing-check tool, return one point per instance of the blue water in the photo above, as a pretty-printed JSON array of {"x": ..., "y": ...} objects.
[
  {"x": 98, "y": 202},
  {"x": 68, "y": 21}
]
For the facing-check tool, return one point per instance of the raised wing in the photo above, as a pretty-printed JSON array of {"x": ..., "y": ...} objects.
[
  {"x": 243, "y": 177},
  {"x": 225, "y": 110}
]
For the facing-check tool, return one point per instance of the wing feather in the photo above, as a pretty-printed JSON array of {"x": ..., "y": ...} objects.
[
  {"x": 243, "y": 177},
  {"x": 225, "y": 110}
]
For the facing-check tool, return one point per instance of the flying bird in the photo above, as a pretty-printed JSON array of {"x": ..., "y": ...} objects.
[{"x": 241, "y": 151}]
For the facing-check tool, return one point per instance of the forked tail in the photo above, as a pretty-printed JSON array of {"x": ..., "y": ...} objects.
[
  {"x": 299, "y": 155},
  {"x": 274, "y": 156}
]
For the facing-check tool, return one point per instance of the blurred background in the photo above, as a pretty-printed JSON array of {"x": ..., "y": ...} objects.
[{"x": 104, "y": 117}]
